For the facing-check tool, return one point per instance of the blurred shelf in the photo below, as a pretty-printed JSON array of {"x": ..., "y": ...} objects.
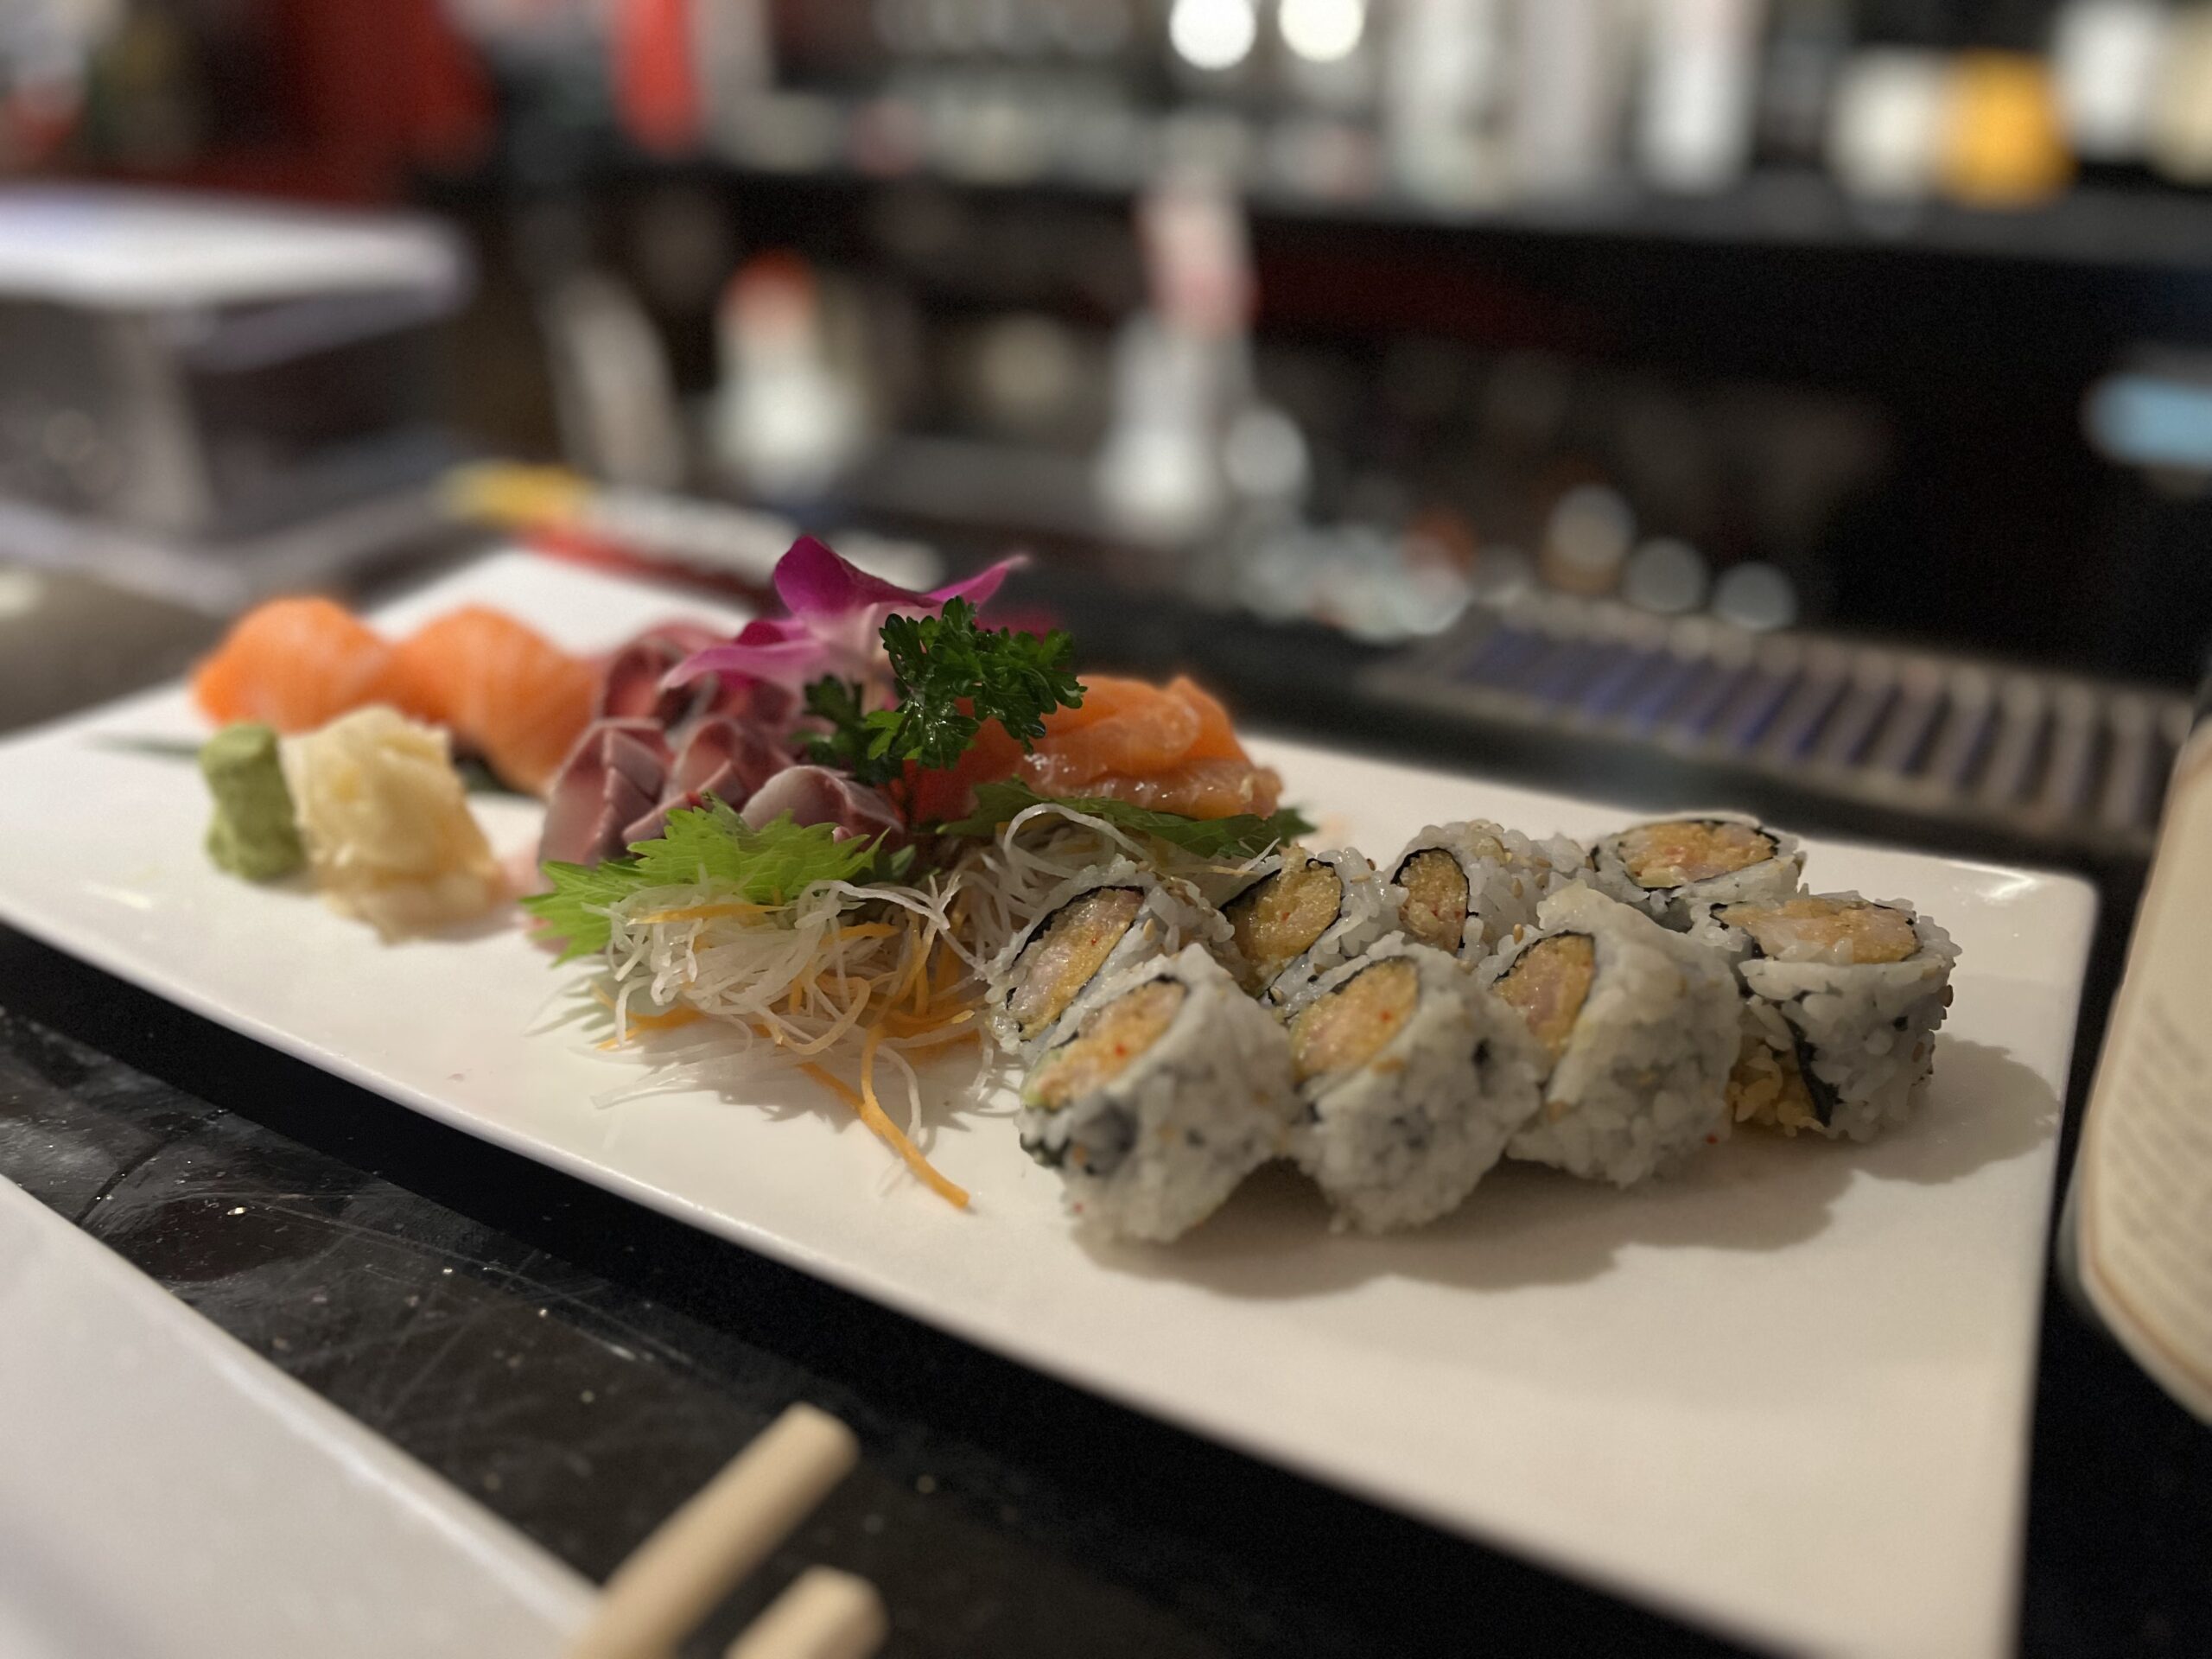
[
  {"x": 2094, "y": 226},
  {"x": 826, "y": 140}
]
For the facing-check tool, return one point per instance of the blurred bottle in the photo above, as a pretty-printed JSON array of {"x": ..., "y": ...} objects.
[
  {"x": 1756, "y": 596},
  {"x": 1444, "y": 114},
  {"x": 1807, "y": 43},
  {"x": 2105, "y": 55},
  {"x": 1570, "y": 91},
  {"x": 1586, "y": 540},
  {"x": 656, "y": 81},
  {"x": 2135, "y": 1238},
  {"x": 734, "y": 50},
  {"x": 2179, "y": 139},
  {"x": 145, "y": 106},
  {"x": 614, "y": 393},
  {"x": 786, "y": 423},
  {"x": 2002, "y": 143},
  {"x": 1181, "y": 368},
  {"x": 1666, "y": 577},
  {"x": 1887, "y": 122},
  {"x": 1330, "y": 51},
  {"x": 1210, "y": 41},
  {"x": 46, "y": 50},
  {"x": 1700, "y": 68},
  {"x": 1027, "y": 378}
]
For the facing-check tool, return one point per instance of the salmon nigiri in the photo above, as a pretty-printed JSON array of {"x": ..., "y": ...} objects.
[
  {"x": 502, "y": 687},
  {"x": 295, "y": 664}
]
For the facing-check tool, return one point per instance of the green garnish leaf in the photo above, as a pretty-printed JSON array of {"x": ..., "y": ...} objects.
[
  {"x": 838, "y": 702},
  {"x": 1246, "y": 836},
  {"x": 892, "y": 867},
  {"x": 575, "y": 912},
  {"x": 703, "y": 844},
  {"x": 950, "y": 676}
]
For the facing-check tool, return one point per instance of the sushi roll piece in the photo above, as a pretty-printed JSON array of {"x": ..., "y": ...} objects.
[
  {"x": 1639, "y": 1028},
  {"x": 1413, "y": 1077},
  {"x": 1093, "y": 926},
  {"x": 1668, "y": 867},
  {"x": 1469, "y": 885},
  {"x": 1842, "y": 998},
  {"x": 1302, "y": 914},
  {"x": 1170, "y": 1088}
]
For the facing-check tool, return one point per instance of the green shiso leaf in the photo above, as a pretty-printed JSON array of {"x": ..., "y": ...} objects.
[
  {"x": 707, "y": 844},
  {"x": 575, "y": 912}
]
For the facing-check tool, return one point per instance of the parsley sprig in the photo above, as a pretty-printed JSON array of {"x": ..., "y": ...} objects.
[{"x": 950, "y": 676}]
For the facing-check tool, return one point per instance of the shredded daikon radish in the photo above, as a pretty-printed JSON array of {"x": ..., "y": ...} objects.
[{"x": 849, "y": 979}]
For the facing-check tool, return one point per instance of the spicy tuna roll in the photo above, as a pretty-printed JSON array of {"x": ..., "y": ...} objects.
[
  {"x": 1092, "y": 926},
  {"x": 1668, "y": 867},
  {"x": 1413, "y": 1077},
  {"x": 1469, "y": 885},
  {"x": 1638, "y": 1027},
  {"x": 1302, "y": 914},
  {"x": 1842, "y": 999},
  {"x": 1169, "y": 1088}
]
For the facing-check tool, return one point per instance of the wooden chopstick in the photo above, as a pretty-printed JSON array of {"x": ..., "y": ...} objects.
[
  {"x": 674, "y": 1579},
  {"x": 822, "y": 1614}
]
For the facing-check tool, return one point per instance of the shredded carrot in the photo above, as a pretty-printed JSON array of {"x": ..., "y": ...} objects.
[
  {"x": 672, "y": 1021},
  {"x": 909, "y": 1025},
  {"x": 874, "y": 1117},
  {"x": 681, "y": 1015},
  {"x": 914, "y": 964},
  {"x": 705, "y": 912},
  {"x": 922, "y": 977}
]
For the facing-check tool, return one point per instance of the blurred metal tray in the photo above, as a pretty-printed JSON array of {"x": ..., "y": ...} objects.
[{"x": 2075, "y": 763}]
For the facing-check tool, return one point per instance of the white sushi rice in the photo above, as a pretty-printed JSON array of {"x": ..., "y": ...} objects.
[
  {"x": 1643, "y": 1078},
  {"x": 1155, "y": 1151},
  {"x": 1404, "y": 1137},
  {"x": 1170, "y": 916},
  {"x": 1509, "y": 874},
  {"x": 1862, "y": 1035},
  {"x": 1767, "y": 881},
  {"x": 1368, "y": 910}
]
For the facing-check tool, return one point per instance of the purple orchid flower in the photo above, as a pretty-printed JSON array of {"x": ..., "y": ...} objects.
[{"x": 837, "y": 611}]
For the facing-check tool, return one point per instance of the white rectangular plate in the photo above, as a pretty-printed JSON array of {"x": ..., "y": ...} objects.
[
  {"x": 1785, "y": 1393},
  {"x": 166, "y": 1493}
]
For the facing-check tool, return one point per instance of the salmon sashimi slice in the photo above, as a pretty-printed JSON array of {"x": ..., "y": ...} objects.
[
  {"x": 295, "y": 664},
  {"x": 1170, "y": 748},
  {"x": 1104, "y": 695},
  {"x": 501, "y": 686},
  {"x": 1217, "y": 739},
  {"x": 1137, "y": 743}
]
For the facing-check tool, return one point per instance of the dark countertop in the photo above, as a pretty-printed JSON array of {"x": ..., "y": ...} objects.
[{"x": 579, "y": 1365}]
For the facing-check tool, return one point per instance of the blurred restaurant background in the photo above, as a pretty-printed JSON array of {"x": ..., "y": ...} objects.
[{"x": 1806, "y": 403}]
